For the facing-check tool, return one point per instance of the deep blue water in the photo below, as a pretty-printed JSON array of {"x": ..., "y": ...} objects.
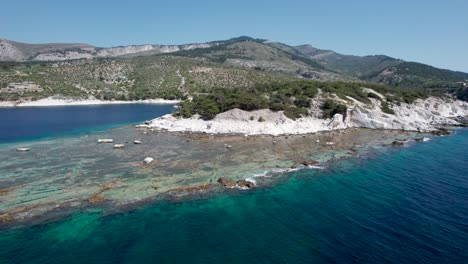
[
  {"x": 407, "y": 205},
  {"x": 27, "y": 123}
]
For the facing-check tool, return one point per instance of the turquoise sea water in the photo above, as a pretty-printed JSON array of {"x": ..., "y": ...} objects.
[{"x": 406, "y": 205}]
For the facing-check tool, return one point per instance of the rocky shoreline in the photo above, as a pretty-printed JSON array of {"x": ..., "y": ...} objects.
[{"x": 421, "y": 116}]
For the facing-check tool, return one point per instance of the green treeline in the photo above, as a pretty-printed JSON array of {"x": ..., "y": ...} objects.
[{"x": 293, "y": 97}]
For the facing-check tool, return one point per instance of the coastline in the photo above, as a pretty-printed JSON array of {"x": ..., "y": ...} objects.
[
  {"x": 194, "y": 157},
  {"x": 52, "y": 101},
  {"x": 422, "y": 116}
]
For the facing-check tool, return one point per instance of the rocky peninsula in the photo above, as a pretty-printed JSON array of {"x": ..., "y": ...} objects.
[{"x": 422, "y": 115}]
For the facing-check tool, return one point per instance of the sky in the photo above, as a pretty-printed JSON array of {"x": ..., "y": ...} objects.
[{"x": 434, "y": 32}]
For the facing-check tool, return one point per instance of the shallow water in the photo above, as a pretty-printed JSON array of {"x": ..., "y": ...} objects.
[
  {"x": 63, "y": 174},
  {"x": 407, "y": 205}
]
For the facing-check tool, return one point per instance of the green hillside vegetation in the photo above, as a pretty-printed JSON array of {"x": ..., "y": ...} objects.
[
  {"x": 160, "y": 76},
  {"x": 347, "y": 64},
  {"x": 419, "y": 69},
  {"x": 462, "y": 94},
  {"x": 292, "y": 97},
  {"x": 331, "y": 107},
  {"x": 416, "y": 75},
  {"x": 253, "y": 50},
  {"x": 242, "y": 63}
]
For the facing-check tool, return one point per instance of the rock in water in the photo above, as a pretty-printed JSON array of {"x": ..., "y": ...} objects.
[
  {"x": 148, "y": 160},
  {"x": 137, "y": 142},
  {"x": 441, "y": 132},
  {"x": 398, "y": 143},
  {"x": 227, "y": 183},
  {"x": 245, "y": 184},
  {"x": 309, "y": 162},
  {"x": 240, "y": 183},
  {"x": 119, "y": 146},
  {"x": 105, "y": 140},
  {"x": 22, "y": 149}
]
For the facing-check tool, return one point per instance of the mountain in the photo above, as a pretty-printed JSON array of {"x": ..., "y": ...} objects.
[
  {"x": 169, "y": 71},
  {"x": 411, "y": 74},
  {"x": 16, "y": 51},
  {"x": 260, "y": 54},
  {"x": 348, "y": 64}
]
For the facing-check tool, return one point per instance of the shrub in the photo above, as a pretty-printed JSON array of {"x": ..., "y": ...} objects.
[
  {"x": 331, "y": 107},
  {"x": 386, "y": 108},
  {"x": 373, "y": 95},
  {"x": 295, "y": 112},
  {"x": 462, "y": 94},
  {"x": 302, "y": 102}
]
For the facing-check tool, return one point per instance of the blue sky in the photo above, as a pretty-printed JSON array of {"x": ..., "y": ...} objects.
[{"x": 432, "y": 32}]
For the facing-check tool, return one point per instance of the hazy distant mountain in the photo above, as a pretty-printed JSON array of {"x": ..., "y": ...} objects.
[
  {"x": 141, "y": 71},
  {"x": 16, "y": 51},
  {"x": 348, "y": 64}
]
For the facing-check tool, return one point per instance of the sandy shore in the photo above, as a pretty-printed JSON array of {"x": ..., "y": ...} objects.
[{"x": 66, "y": 102}]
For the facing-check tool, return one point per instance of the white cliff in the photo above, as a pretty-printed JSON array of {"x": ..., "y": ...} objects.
[{"x": 422, "y": 115}]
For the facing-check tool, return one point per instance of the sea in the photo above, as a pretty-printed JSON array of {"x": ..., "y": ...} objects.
[{"x": 404, "y": 205}]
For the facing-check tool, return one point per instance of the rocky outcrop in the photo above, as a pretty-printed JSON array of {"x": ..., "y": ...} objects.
[
  {"x": 227, "y": 183},
  {"x": 398, "y": 143},
  {"x": 309, "y": 162},
  {"x": 243, "y": 184},
  {"x": 423, "y": 116},
  {"x": 441, "y": 132}
]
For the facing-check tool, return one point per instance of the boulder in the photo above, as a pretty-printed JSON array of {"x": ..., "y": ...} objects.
[
  {"x": 227, "y": 183},
  {"x": 105, "y": 140},
  {"x": 337, "y": 122},
  {"x": 22, "y": 149},
  {"x": 398, "y": 143},
  {"x": 245, "y": 184},
  {"x": 441, "y": 132},
  {"x": 240, "y": 183},
  {"x": 148, "y": 160},
  {"x": 309, "y": 162}
]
